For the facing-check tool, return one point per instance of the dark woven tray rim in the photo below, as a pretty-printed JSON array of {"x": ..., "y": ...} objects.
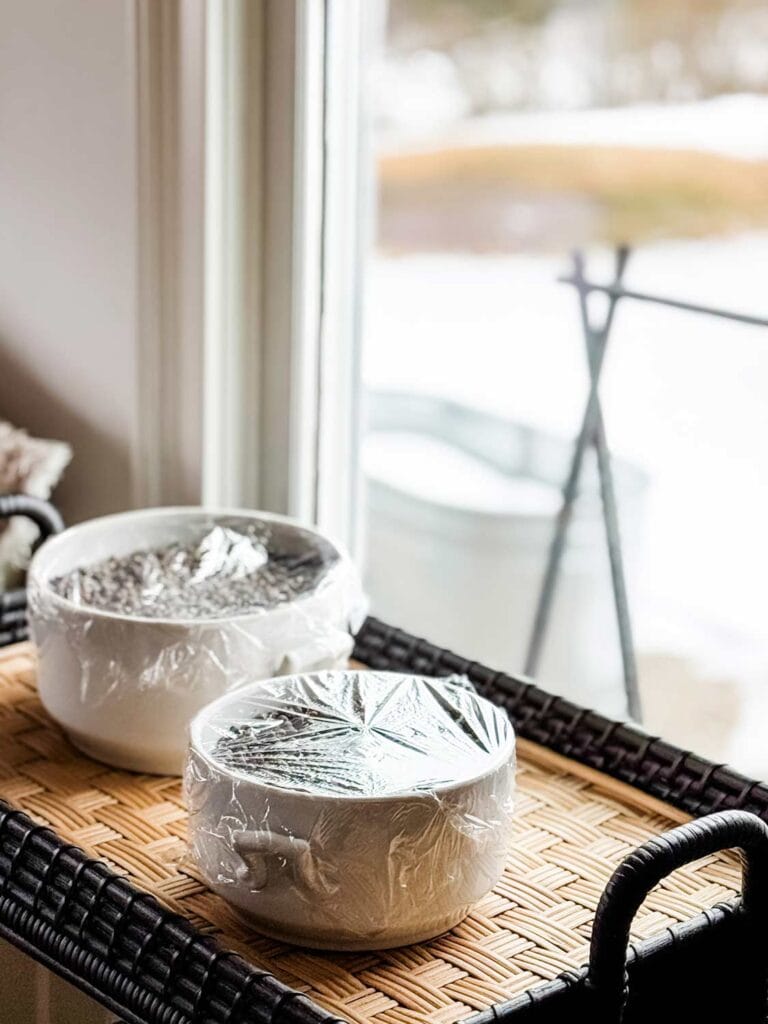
[{"x": 153, "y": 967}]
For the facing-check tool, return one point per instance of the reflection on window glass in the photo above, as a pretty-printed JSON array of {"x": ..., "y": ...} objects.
[{"x": 508, "y": 133}]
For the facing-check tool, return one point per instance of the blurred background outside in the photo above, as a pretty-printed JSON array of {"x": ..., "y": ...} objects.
[{"x": 506, "y": 133}]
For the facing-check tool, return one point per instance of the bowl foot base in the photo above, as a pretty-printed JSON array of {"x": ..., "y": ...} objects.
[
  {"x": 346, "y": 942},
  {"x": 118, "y": 757}
]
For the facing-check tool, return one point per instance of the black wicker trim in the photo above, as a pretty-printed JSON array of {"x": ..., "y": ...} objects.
[
  {"x": 646, "y": 866},
  {"x": 121, "y": 946},
  {"x": 152, "y": 967},
  {"x": 567, "y": 996},
  {"x": 622, "y": 751},
  {"x": 13, "y": 617}
]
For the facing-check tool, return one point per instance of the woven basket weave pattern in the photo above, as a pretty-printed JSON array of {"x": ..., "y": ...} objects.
[{"x": 570, "y": 832}]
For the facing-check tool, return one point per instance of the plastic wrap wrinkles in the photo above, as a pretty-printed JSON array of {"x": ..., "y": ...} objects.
[
  {"x": 125, "y": 664},
  {"x": 351, "y": 810}
]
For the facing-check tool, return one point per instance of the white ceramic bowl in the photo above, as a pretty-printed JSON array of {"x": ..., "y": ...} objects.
[
  {"x": 125, "y": 687},
  {"x": 341, "y": 870}
]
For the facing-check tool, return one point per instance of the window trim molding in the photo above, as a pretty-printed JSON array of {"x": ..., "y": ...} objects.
[
  {"x": 233, "y": 253},
  {"x": 169, "y": 73},
  {"x": 292, "y": 243},
  {"x": 314, "y": 238},
  {"x": 247, "y": 236},
  {"x": 348, "y": 220},
  {"x": 263, "y": 192}
]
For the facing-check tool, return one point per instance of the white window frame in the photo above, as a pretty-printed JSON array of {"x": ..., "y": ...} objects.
[
  {"x": 255, "y": 353},
  {"x": 347, "y": 232},
  {"x": 167, "y": 42}
]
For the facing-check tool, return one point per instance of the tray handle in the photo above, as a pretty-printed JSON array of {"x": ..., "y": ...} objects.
[
  {"x": 646, "y": 867},
  {"x": 42, "y": 513},
  {"x": 13, "y": 603}
]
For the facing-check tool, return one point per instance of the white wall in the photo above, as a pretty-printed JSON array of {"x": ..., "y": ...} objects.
[
  {"x": 68, "y": 253},
  {"x": 101, "y": 245},
  {"x": 68, "y": 247}
]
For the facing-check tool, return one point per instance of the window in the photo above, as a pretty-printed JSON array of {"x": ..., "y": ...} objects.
[{"x": 504, "y": 135}]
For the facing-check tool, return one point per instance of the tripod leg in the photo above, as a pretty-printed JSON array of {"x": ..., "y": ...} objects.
[
  {"x": 608, "y": 496},
  {"x": 592, "y": 432}
]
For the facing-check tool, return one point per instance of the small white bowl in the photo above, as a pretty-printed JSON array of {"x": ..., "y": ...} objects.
[
  {"x": 338, "y": 863},
  {"x": 126, "y": 687}
]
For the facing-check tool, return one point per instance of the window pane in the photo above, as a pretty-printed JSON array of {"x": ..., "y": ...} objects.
[{"x": 507, "y": 134}]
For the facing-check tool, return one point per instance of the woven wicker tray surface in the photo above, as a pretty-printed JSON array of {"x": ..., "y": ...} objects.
[{"x": 572, "y": 828}]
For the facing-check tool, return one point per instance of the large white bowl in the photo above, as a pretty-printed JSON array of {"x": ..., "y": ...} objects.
[
  {"x": 351, "y": 871},
  {"x": 125, "y": 687}
]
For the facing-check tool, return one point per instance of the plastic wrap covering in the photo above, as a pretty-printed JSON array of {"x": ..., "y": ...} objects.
[
  {"x": 351, "y": 810},
  {"x": 143, "y": 618}
]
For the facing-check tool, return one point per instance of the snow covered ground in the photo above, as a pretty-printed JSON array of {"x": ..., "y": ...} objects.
[{"x": 735, "y": 125}]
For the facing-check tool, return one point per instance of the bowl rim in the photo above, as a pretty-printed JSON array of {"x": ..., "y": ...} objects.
[
  {"x": 506, "y": 752},
  {"x": 37, "y": 579}
]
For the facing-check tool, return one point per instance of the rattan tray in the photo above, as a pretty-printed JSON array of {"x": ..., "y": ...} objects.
[{"x": 574, "y": 825}]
